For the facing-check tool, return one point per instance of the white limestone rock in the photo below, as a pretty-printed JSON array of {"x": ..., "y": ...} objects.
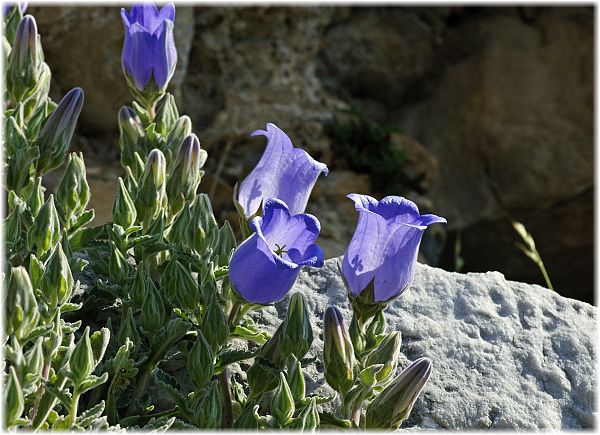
[{"x": 506, "y": 354}]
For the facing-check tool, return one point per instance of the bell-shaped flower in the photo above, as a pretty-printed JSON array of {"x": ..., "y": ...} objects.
[
  {"x": 149, "y": 48},
  {"x": 383, "y": 251},
  {"x": 265, "y": 266},
  {"x": 283, "y": 172}
]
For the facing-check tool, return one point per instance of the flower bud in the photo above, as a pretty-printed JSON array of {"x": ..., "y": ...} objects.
[
  {"x": 123, "y": 211},
  {"x": 186, "y": 174},
  {"x": 14, "y": 405},
  {"x": 34, "y": 360},
  {"x": 200, "y": 362},
  {"x": 22, "y": 313},
  {"x": 44, "y": 234},
  {"x": 153, "y": 315},
  {"x": 131, "y": 134},
  {"x": 118, "y": 268},
  {"x": 151, "y": 196},
  {"x": 36, "y": 270},
  {"x": 207, "y": 409},
  {"x": 248, "y": 418},
  {"x": 387, "y": 354},
  {"x": 186, "y": 288},
  {"x": 35, "y": 200},
  {"x": 13, "y": 14},
  {"x": 82, "y": 359},
  {"x": 166, "y": 114},
  {"x": 282, "y": 404},
  {"x": 295, "y": 378},
  {"x": 73, "y": 192},
  {"x": 24, "y": 61},
  {"x": 297, "y": 332},
  {"x": 226, "y": 244},
  {"x": 393, "y": 405},
  {"x": 54, "y": 339},
  {"x": 99, "y": 341},
  {"x": 179, "y": 131},
  {"x": 138, "y": 286},
  {"x": 55, "y": 136},
  {"x": 12, "y": 228},
  {"x": 179, "y": 233},
  {"x": 308, "y": 419},
  {"x": 128, "y": 330},
  {"x": 214, "y": 324},
  {"x": 57, "y": 281},
  {"x": 338, "y": 352}
]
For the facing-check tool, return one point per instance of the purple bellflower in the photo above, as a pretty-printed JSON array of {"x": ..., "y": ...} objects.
[
  {"x": 265, "y": 266},
  {"x": 149, "y": 48},
  {"x": 283, "y": 172},
  {"x": 384, "y": 248}
]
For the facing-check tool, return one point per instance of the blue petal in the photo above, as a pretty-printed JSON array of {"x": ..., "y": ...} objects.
[
  {"x": 137, "y": 54},
  {"x": 256, "y": 276},
  {"x": 397, "y": 270},
  {"x": 364, "y": 254},
  {"x": 283, "y": 172},
  {"x": 165, "y": 55},
  {"x": 295, "y": 232}
]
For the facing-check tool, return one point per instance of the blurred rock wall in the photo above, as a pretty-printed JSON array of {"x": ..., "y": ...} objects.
[{"x": 493, "y": 106}]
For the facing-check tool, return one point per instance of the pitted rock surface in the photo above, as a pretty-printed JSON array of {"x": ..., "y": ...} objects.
[{"x": 506, "y": 354}]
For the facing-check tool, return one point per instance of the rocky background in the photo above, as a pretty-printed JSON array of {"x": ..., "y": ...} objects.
[{"x": 479, "y": 114}]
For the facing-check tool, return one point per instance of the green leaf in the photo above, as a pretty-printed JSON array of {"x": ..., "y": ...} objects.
[
  {"x": 64, "y": 396},
  {"x": 228, "y": 357},
  {"x": 91, "y": 415},
  {"x": 92, "y": 382}
]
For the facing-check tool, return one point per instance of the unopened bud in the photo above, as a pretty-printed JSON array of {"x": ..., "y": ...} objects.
[
  {"x": 214, "y": 324},
  {"x": 338, "y": 353},
  {"x": 166, "y": 114},
  {"x": 179, "y": 131},
  {"x": 151, "y": 196},
  {"x": 297, "y": 330},
  {"x": 153, "y": 315},
  {"x": 24, "y": 61},
  {"x": 226, "y": 244},
  {"x": 55, "y": 136},
  {"x": 34, "y": 360},
  {"x": 22, "y": 312},
  {"x": 282, "y": 405},
  {"x": 208, "y": 408},
  {"x": 186, "y": 288},
  {"x": 82, "y": 359},
  {"x": 139, "y": 284},
  {"x": 35, "y": 200},
  {"x": 200, "y": 362},
  {"x": 123, "y": 212},
  {"x": 295, "y": 378},
  {"x": 186, "y": 174},
  {"x": 14, "y": 404},
  {"x": 57, "y": 281},
  {"x": 248, "y": 419},
  {"x": 393, "y": 405},
  {"x": 131, "y": 134},
  {"x": 128, "y": 330},
  {"x": 387, "y": 354},
  {"x": 179, "y": 231},
  {"x": 73, "y": 192},
  {"x": 118, "y": 268},
  {"x": 44, "y": 234},
  {"x": 99, "y": 341},
  {"x": 308, "y": 419}
]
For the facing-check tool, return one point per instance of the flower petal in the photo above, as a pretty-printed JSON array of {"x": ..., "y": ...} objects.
[
  {"x": 294, "y": 232},
  {"x": 256, "y": 276},
  {"x": 364, "y": 254},
  {"x": 283, "y": 172},
  {"x": 164, "y": 54},
  {"x": 137, "y": 54},
  {"x": 397, "y": 270}
]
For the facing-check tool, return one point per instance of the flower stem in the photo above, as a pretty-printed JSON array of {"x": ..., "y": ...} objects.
[
  {"x": 73, "y": 410},
  {"x": 227, "y": 401},
  {"x": 356, "y": 412}
]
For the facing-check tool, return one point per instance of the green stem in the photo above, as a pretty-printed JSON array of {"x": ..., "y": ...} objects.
[
  {"x": 227, "y": 400},
  {"x": 544, "y": 272},
  {"x": 356, "y": 412},
  {"x": 73, "y": 410}
]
